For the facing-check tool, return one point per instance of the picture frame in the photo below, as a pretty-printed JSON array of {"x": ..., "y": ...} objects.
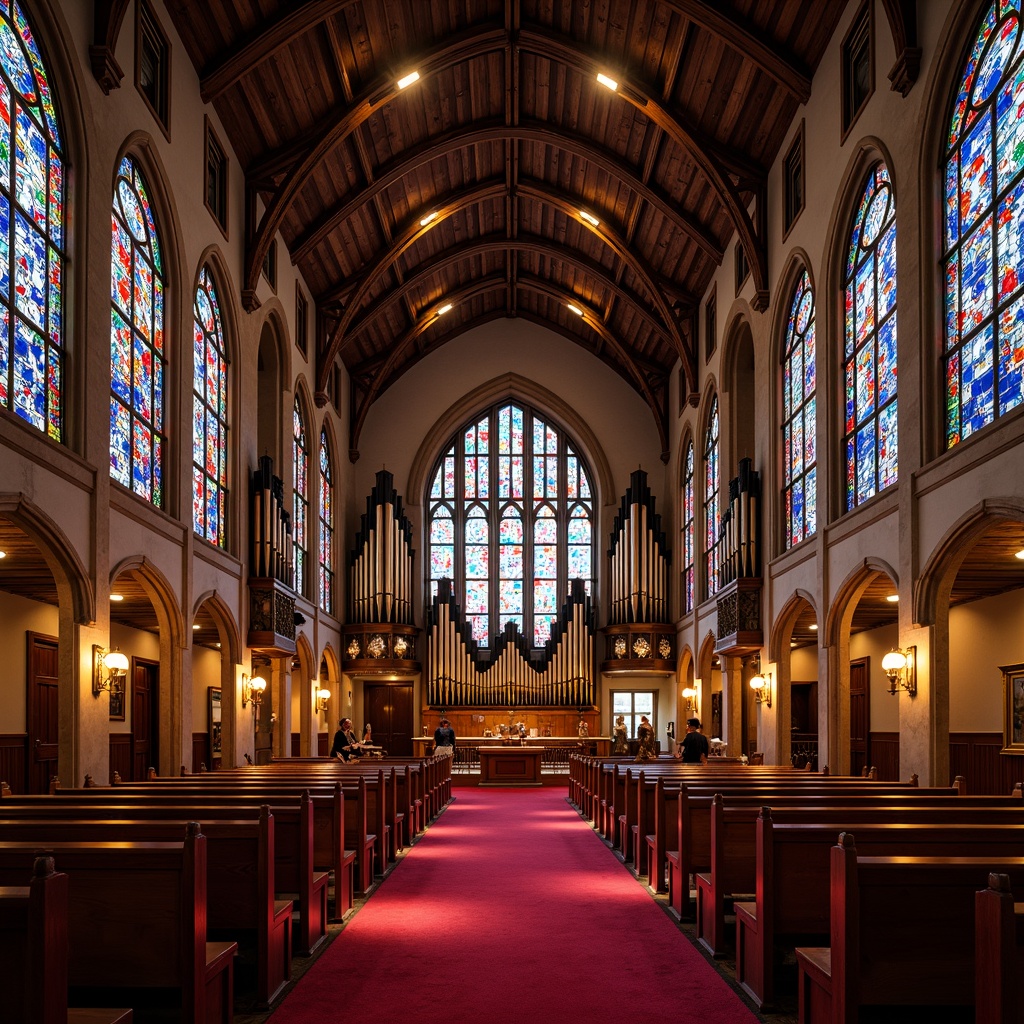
[
  {"x": 1013, "y": 708},
  {"x": 213, "y": 721},
  {"x": 116, "y": 711}
]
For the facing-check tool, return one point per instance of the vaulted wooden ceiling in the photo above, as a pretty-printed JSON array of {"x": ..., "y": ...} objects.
[{"x": 507, "y": 141}]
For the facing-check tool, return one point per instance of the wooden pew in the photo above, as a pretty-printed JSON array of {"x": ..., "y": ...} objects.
[
  {"x": 901, "y": 934},
  {"x": 998, "y": 954},
  {"x": 137, "y": 922},
  {"x": 34, "y": 953}
]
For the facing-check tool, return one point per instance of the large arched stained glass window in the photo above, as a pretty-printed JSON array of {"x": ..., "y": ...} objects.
[
  {"x": 209, "y": 415},
  {"x": 326, "y": 527},
  {"x": 871, "y": 447},
  {"x": 712, "y": 481},
  {"x": 984, "y": 229},
  {"x": 689, "y": 530},
  {"x": 511, "y": 515},
  {"x": 136, "y": 339},
  {"x": 300, "y": 495},
  {"x": 32, "y": 216},
  {"x": 799, "y": 470}
]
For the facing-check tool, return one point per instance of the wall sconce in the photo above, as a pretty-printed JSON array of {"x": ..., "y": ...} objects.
[
  {"x": 109, "y": 670},
  {"x": 252, "y": 690},
  {"x": 901, "y": 668},
  {"x": 689, "y": 695},
  {"x": 761, "y": 684},
  {"x": 323, "y": 695}
]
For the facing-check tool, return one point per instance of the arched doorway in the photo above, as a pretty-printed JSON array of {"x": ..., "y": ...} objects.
[{"x": 794, "y": 650}]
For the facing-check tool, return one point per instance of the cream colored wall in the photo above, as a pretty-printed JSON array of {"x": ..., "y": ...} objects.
[
  {"x": 803, "y": 664},
  {"x": 19, "y": 616},
  {"x": 134, "y": 643},
  {"x": 206, "y": 672},
  {"x": 665, "y": 702},
  {"x": 983, "y": 636},
  {"x": 874, "y": 644}
]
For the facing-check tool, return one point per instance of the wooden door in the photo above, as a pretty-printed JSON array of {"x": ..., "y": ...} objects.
[
  {"x": 388, "y": 708},
  {"x": 860, "y": 716},
  {"x": 145, "y": 717},
  {"x": 41, "y": 664}
]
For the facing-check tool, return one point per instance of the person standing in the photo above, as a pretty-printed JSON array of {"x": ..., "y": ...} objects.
[
  {"x": 645, "y": 734},
  {"x": 345, "y": 744},
  {"x": 444, "y": 737},
  {"x": 694, "y": 747}
]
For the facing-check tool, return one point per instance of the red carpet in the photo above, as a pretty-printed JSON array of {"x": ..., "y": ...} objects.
[{"x": 510, "y": 907}]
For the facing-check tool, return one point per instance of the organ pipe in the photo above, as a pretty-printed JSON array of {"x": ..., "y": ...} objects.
[
  {"x": 272, "y": 551},
  {"x": 741, "y": 525},
  {"x": 638, "y": 558},
  {"x": 380, "y": 564}
]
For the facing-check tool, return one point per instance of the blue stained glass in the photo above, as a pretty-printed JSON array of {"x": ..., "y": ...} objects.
[
  {"x": 476, "y": 530},
  {"x": 797, "y": 513},
  {"x": 538, "y": 477},
  {"x": 579, "y": 531},
  {"x": 120, "y": 358},
  {"x": 798, "y": 404},
  {"x": 477, "y": 562},
  {"x": 511, "y": 561},
  {"x": 442, "y": 561},
  {"x": 887, "y": 361},
  {"x": 5, "y": 251},
  {"x": 120, "y": 443},
  {"x": 1009, "y": 129},
  {"x": 810, "y": 422},
  {"x": 5, "y": 355},
  {"x": 952, "y": 203},
  {"x": 442, "y": 530},
  {"x": 131, "y": 208},
  {"x": 865, "y": 383},
  {"x": 5, "y": 134},
  {"x": 811, "y": 503},
  {"x": 976, "y": 290},
  {"x": 976, "y": 383},
  {"x": 15, "y": 62},
  {"x": 976, "y": 173},
  {"x": 469, "y": 484},
  {"x": 584, "y": 484},
  {"x": 511, "y": 599},
  {"x": 544, "y": 596},
  {"x": 510, "y": 531},
  {"x": 198, "y": 430},
  {"x": 29, "y": 392},
  {"x": 504, "y": 476},
  {"x": 888, "y": 447},
  {"x": 865, "y": 300},
  {"x": 143, "y": 318},
  {"x": 1011, "y": 356},
  {"x": 993, "y": 61},
  {"x": 579, "y": 562},
  {"x": 866, "y": 461},
  {"x": 887, "y": 273},
  {"x": 1010, "y": 243},
  {"x": 810, "y": 362},
  {"x": 143, "y": 381},
  {"x": 31, "y": 182},
  {"x": 435, "y": 487},
  {"x": 142, "y": 458},
  {"x": 851, "y": 474},
  {"x": 29, "y": 272}
]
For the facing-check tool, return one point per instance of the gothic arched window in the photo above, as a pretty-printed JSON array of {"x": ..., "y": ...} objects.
[
  {"x": 871, "y": 448},
  {"x": 712, "y": 480},
  {"x": 511, "y": 515},
  {"x": 689, "y": 530},
  {"x": 326, "y": 527},
  {"x": 799, "y": 470},
  {"x": 136, "y": 339},
  {"x": 32, "y": 216},
  {"x": 209, "y": 415},
  {"x": 300, "y": 495},
  {"x": 984, "y": 230}
]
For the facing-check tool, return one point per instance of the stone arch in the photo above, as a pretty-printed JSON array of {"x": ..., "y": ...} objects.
[
  {"x": 308, "y": 670},
  {"x": 685, "y": 675},
  {"x": 230, "y": 656},
  {"x": 175, "y": 699},
  {"x": 779, "y": 655},
  {"x": 702, "y": 671}
]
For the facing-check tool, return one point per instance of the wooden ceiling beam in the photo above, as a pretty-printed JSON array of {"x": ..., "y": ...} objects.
[
  {"x": 273, "y": 36},
  {"x": 767, "y": 57}
]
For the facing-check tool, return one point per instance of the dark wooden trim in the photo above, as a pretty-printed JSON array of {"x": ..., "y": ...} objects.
[
  {"x": 13, "y": 754},
  {"x": 976, "y": 756},
  {"x": 885, "y": 755},
  {"x": 200, "y": 751},
  {"x": 121, "y": 756}
]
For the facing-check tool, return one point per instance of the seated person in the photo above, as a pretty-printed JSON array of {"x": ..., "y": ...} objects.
[{"x": 345, "y": 745}]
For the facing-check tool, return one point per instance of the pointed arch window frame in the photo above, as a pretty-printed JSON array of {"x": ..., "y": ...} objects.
[
  {"x": 712, "y": 500},
  {"x": 138, "y": 361},
  {"x": 525, "y": 575},
  {"x": 688, "y": 546},
  {"x": 300, "y": 497},
  {"x": 326, "y": 589},
  {"x": 983, "y": 230},
  {"x": 33, "y": 255}
]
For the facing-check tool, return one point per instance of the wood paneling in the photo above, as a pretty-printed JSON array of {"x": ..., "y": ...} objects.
[
  {"x": 200, "y": 751},
  {"x": 121, "y": 756},
  {"x": 13, "y": 751},
  {"x": 323, "y": 743},
  {"x": 885, "y": 755},
  {"x": 975, "y": 756}
]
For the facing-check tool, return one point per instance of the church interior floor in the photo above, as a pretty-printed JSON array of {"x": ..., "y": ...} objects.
[{"x": 466, "y": 793}]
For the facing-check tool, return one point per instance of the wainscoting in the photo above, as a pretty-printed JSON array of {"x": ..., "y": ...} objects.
[
  {"x": 200, "y": 751},
  {"x": 885, "y": 755},
  {"x": 975, "y": 756},
  {"x": 13, "y": 751},
  {"x": 121, "y": 757}
]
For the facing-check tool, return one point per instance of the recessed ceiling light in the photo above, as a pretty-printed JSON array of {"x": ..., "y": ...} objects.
[
  {"x": 1019, "y": 554},
  {"x": 893, "y": 598},
  {"x": 429, "y": 217},
  {"x": 217, "y": 645},
  {"x": 444, "y": 309},
  {"x": 575, "y": 309},
  {"x": 3, "y": 554},
  {"x": 117, "y": 597},
  {"x": 792, "y": 643},
  {"x": 407, "y": 80},
  {"x": 813, "y": 627},
  {"x": 195, "y": 626},
  {"x": 608, "y": 83},
  {"x": 590, "y": 218}
]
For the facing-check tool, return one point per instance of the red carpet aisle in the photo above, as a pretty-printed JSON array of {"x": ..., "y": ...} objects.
[{"x": 511, "y": 908}]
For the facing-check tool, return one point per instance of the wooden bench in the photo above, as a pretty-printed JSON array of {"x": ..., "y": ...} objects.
[
  {"x": 137, "y": 924},
  {"x": 34, "y": 953},
  {"x": 901, "y": 934},
  {"x": 998, "y": 953}
]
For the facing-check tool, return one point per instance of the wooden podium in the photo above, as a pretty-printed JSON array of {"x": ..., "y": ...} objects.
[{"x": 510, "y": 766}]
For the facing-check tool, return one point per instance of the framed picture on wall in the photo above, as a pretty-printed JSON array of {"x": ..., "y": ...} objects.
[
  {"x": 1013, "y": 708},
  {"x": 117, "y": 704}
]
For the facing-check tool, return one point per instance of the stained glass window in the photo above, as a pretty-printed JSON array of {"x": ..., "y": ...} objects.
[
  {"x": 712, "y": 482},
  {"x": 799, "y": 470},
  {"x": 209, "y": 415},
  {"x": 300, "y": 495},
  {"x": 32, "y": 217},
  {"x": 511, "y": 522},
  {"x": 984, "y": 229},
  {"x": 870, "y": 442},
  {"x": 326, "y": 527},
  {"x": 689, "y": 530},
  {"x": 136, "y": 339}
]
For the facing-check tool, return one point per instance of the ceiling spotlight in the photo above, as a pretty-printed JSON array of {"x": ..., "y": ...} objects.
[
  {"x": 590, "y": 219},
  {"x": 1019, "y": 554},
  {"x": 444, "y": 309},
  {"x": 893, "y": 598},
  {"x": 196, "y": 626},
  {"x": 3, "y": 554},
  {"x": 429, "y": 217},
  {"x": 404, "y": 83},
  {"x": 608, "y": 83},
  {"x": 813, "y": 627},
  {"x": 575, "y": 309},
  {"x": 117, "y": 597}
]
